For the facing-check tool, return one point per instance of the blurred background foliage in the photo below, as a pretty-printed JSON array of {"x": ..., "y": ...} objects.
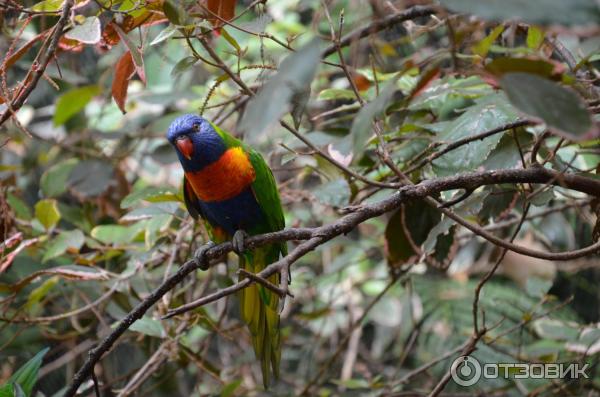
[{"x": 92, "y": 218}]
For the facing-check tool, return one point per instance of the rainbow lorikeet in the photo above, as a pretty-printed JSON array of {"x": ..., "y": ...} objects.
[{"x": 230, "y": 186}]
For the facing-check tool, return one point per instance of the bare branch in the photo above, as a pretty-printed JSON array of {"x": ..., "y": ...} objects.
[
  {"x": 319, "y": 235},
  {"x": 39, "y": 65},
  {"x": 379, "y": 25}
]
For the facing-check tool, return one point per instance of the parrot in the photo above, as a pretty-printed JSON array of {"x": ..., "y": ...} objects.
[{"x": 230, "y": 187}]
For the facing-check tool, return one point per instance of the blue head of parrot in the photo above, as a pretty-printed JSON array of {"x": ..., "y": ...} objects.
[{"x": 196, "y": 142}]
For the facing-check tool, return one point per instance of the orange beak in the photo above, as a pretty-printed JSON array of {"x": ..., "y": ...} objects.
[{"x": 185, "y": 146}]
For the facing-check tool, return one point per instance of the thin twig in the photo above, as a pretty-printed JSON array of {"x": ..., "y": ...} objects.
[
  {"x": 265, "y": 283},
  {"x": 461, "y": 142}
]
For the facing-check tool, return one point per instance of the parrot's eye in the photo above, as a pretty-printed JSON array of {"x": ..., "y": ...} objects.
[{"x": 196, "y": 127}]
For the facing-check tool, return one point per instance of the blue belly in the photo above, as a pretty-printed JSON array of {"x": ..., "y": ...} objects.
[{"x": 241, "y": 212}]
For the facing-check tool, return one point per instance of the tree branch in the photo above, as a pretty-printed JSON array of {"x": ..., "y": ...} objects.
[
  {"x": 377, "y": 26},
  {"x": 39, "y": 65},
  {"x": 319, "y": 235}
]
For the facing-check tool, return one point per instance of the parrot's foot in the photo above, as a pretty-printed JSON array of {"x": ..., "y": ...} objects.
[
  {"x": 238, "y": 241},
  {"x": 199, "y": 255}
]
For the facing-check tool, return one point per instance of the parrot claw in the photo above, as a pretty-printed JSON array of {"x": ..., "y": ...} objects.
[
  {"x": 199, "y": 255},
  {"x": 238, "y": 241}
]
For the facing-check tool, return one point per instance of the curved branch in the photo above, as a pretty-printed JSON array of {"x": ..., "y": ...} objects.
[
  {"x": 41, "y": 62},
  {"x": 460, "y": 142},
  {"x": 319, "y": 235},
  {"x": 379, "y": 25}
]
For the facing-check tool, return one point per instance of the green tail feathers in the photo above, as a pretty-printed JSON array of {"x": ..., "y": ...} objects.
[{"x": 259, "y": 307}]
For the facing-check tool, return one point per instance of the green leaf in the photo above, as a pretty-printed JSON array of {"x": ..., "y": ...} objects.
[
  {"x": 295, "y": 74},
  {"x": 543, "y": 12},
  {"x": 149, "y": 326},
  {"x": 543, "y": 197},
  {"x": 230, "y": 388},
  {"x": 71, "y": 239},
  {"x": 503, "y": 65},
  {"x": 329, "y": 94},
  {"x": 335, "y": 193},
  {"x": 154, "y": 226},
  {"x": 39, "y": 293},
  {"x": 230, "y": 40},
  {"x": 537, "y": 287},
  {"x": 183, "y": 65},
  {"x": 54, "y": 180},
  {"x": 535, "y": 37},
  {"x": 489, "y": 113},
  {"x": 164, "y": 208},
  {"x": 444, "y": 96},
  {"x": 46, "y": 211},
  {"x": 89, "y": 32},
  {"x": 560, "y": 108},
  {"x": 152, "y": 194},
  {"x": 352, "y": 383},
  {"x": 484, "y": 45},
  {"x": 48, "y": 6},
  {"x": 555, "y": 329},
  {"x": 91, "y": 178},
  {"x": 27, "y": 375},
  {"x": 116, "y": 234},
  {"x": 72, "y": 102},
  {"x": 175, "y": 13},
  {"x": 499, "y": 200},
  {"x": 18, "y": 206},
  {"x": 374, "y": 287},
  {"x": 361, "y": 127},
  {"x": 506, "y": 153},
  {"x": 164, "y": 34}
]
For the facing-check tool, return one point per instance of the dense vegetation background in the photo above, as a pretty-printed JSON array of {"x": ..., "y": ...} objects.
[{"x": 490, "y": 106}]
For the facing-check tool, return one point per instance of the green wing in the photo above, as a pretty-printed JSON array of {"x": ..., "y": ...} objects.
[
  {"x": 259, "y": 306},
  {"x": 265, "y": 190}
]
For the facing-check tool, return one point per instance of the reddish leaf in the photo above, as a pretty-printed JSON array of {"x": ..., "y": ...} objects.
[
  {"x": 224, "y": 9},
  {"x": 110, "y": 37},
  {"x": 361, "y": 82},
  {"x": 123, "y": 73},
  {"x": 21, "y": 51},
  {"x": 70, "y": 45},
  {"x": 109, "y": 34},
  {"x": 424, "y": 82},
  {"x": 542, "y": 67},
  {"x": 8, "y": 62}
]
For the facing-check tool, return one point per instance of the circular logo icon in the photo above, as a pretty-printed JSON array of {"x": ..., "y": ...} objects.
[{"x": 465, "y": 371}]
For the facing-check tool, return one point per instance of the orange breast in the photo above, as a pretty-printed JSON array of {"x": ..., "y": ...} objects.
[{"x": 225, "y": 178}]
